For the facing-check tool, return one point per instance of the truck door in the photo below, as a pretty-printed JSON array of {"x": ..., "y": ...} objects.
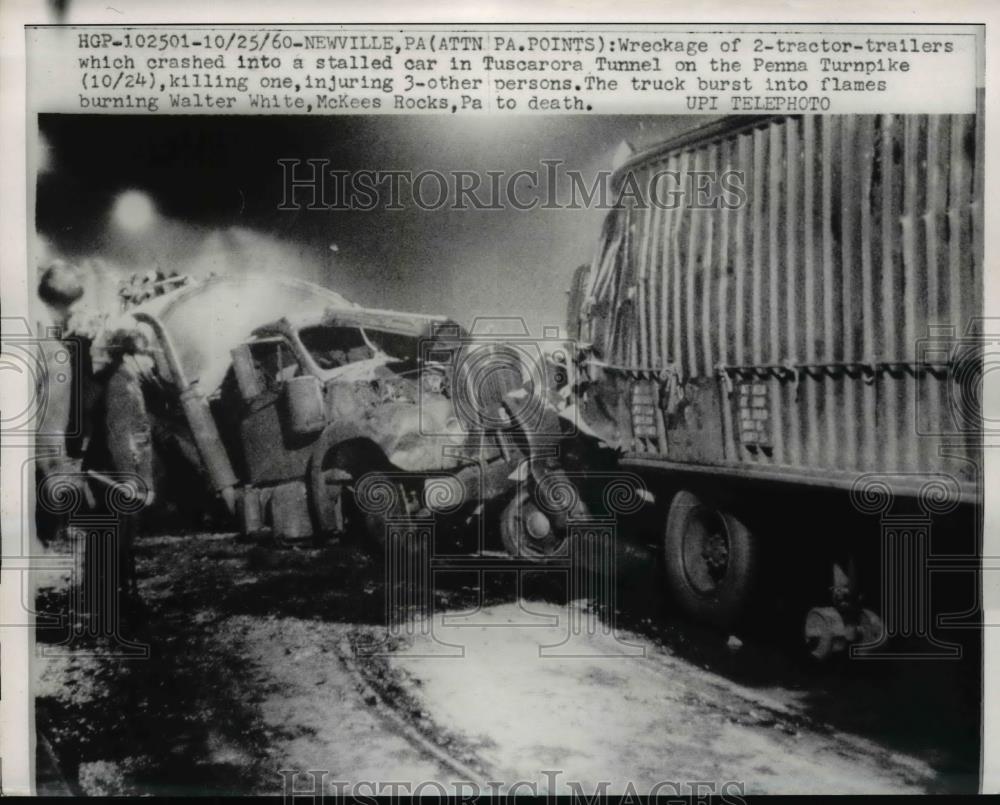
[{"x": 271, "y": 452}]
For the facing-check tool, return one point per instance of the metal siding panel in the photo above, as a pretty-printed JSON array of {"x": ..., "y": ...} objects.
[
  {"x": 739, "y": 316},
  {"x": 838, "y": 250},
  {"x": 971, "y": 240},
  {"x": 725, "y": 353},
  {"x": 887, "y": 391},
  {"x": 708, "y": 269},
  {"x": 675, "y": 269},
  {"x": 613, "y": 261},
  {"x": 793, "y": 271},
  {"x": 956, "y": 205},
  {"x": 611, "y": 285},
  {"x": 810, "y": 261},
  {"x": 911, "y": 271},
  {"x": 644, "y": 233},
  {"x": 775, "y": 155},
  {"x": 848, "y": 268},
  {"x": 614, "y": 296},
  {"x": 934, "y": 207},
  {"x": 933, "y": 219},
  {"x": 757, "y": 247},
  {"x": 830, "y": 442},
  {"x": 623, "y": 313},
  {"x": 632, "y": 302},
  {"x": 725, "y": 233},
  {"x": 976, "y": 259},
  {"x": 869, "y": 432},
  {"x": 603, "y": 279},
  {"x": 693, "y": 251},
  {"x": 655, "y": 283},
  {"x": 976, "y": 208},
  {"x": 664, "y": 272},
  {"x": 614, "y": 300}
]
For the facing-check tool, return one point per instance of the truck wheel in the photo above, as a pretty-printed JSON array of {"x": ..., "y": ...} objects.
[
  {"x": 527, "y": 533},
  {"x": 710, "y": 559}
]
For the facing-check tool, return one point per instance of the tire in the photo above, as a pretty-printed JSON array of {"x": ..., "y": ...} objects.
[
  {"x": 521, "y": 540},
  {"x": 333, "y": 488},
  {"x": 710, "y": 561}
]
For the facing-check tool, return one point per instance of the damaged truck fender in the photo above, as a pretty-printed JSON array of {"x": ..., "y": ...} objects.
[{"x": 344, "y": 452}]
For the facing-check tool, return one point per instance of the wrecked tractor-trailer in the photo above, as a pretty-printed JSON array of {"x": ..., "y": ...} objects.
[
  {"x": 312, "y": 417},
  {"x": 798, "y": 370}
]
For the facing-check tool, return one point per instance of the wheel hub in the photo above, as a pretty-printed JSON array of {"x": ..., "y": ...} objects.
[
  {"x": 716, "y": 554},
  {"x": 706, "y": 551},
  {"x": 527, "y": 532},
  {"x": 538, "y": 525}
]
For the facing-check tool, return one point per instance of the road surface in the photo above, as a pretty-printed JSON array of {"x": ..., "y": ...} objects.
[{"x": 269, "y": 662}]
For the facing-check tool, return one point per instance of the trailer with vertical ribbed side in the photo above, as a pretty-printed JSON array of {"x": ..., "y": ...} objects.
[{"x": 785, "y": 309}]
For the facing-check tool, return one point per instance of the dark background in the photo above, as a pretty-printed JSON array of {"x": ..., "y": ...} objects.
[{"x": 216, "y": 184}]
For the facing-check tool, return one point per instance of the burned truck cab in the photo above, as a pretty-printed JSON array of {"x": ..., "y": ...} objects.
[
  {"x": 335, "y": 419},
  {"x": 336, "y": 422}
]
